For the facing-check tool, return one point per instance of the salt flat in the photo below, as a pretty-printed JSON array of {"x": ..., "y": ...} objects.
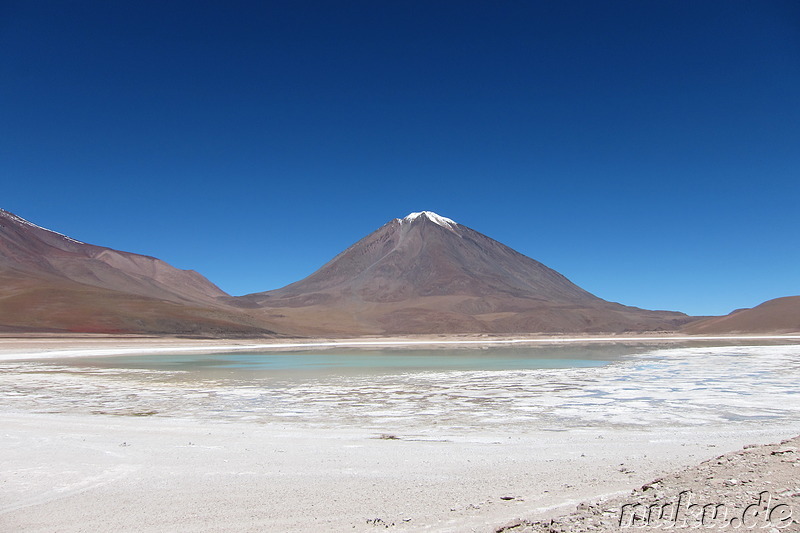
[{"x": 455, "y": 450}]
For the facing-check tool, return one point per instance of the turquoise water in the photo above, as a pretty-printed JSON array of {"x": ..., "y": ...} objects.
[
  {"x": 363, "y": 361},
  {"x": 509, "y": 388}
]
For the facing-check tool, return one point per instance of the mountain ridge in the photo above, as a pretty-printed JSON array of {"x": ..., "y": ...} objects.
[
  {"x": 421, "y": 274},
  {"x": 27, "y": 247},
  {"x": 52, "y": 282}
]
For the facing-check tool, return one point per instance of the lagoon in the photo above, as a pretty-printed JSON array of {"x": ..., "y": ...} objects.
[{"x": 510, "y": 388}]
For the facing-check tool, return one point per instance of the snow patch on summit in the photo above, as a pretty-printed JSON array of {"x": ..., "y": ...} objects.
[
  {"x": 20, "y": 220},
  {"x": 433, "y": 217}
]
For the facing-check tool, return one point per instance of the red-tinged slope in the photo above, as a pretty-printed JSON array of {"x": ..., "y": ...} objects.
[{"x": 29, "y": 304}]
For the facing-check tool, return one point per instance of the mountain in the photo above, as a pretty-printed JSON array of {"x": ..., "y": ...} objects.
[
  {"x": 428, "y": 274},
  {"x": 51, "y": 282},
  {"x": 781, "y": 315},
  {"x": 26, "y": 247}
]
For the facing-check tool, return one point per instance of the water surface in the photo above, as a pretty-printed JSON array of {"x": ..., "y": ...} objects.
[
  {"x": 358, "y": 361},
  {"x": 508, "y": 388}
]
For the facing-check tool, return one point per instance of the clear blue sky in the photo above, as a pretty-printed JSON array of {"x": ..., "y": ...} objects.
[{"x": 648, "y": 150}]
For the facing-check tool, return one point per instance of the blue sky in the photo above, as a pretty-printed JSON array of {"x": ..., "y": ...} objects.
[{"x": 649, "y": 151}]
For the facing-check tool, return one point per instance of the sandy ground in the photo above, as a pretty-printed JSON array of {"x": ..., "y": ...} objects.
[{"x": 76, "y": 472}]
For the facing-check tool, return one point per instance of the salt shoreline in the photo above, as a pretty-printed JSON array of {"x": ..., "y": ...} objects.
[{"x": 15, "y": 348}]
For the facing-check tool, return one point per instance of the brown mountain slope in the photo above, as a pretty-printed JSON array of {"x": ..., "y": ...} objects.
[
  {"x": 428, "y": 274},
  {"x": 28, "y": 248},
  {"x": 31, "y": 304},
  {"x": 50, "y": 282},
  {"x": 781, "y": 315}
]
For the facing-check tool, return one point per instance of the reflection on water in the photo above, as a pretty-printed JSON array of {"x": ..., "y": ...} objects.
[{"x": 508, "y": 388}]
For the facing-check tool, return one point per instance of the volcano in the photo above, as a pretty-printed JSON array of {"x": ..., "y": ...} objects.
[{"x": 428, "y": 274}]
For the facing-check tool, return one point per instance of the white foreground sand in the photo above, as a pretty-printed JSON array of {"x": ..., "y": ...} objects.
[{"x": 79, "y": 472}]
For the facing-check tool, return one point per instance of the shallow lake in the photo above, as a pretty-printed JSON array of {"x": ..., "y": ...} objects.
[
  {"x": 509, "y": 388},
  {"x": 247, "y": 365}
]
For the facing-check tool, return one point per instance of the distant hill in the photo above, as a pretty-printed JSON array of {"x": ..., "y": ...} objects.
[
  {"x": 781, "y": 315},
  {"x": 428, "y": 274},
  {"x": 51, "y": 282}
]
